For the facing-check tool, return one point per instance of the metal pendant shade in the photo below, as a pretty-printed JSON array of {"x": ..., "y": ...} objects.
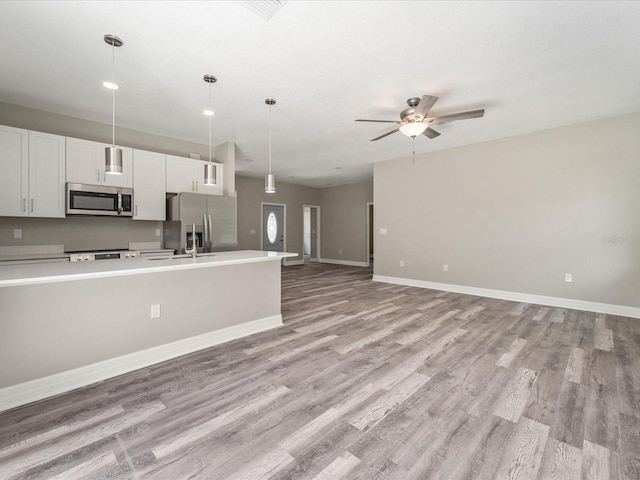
[
  {"x": 113, "y": 154},
  {"x": 210, "y": 177},
  {"x": 270, "y": 184},
  {"x": 270, "y": 179},
  {"x": 113, "y": 159},
  {"x": 210, "y": 170}
]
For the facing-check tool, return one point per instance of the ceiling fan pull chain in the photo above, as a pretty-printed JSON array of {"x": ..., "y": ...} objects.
[{"x": 413, "y": 146}]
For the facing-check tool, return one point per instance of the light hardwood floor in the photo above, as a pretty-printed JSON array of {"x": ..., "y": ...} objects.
[{"x": 365, "y": 381}]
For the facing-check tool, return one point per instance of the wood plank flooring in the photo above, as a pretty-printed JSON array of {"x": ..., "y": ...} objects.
[{"x": 365, "y": 381}]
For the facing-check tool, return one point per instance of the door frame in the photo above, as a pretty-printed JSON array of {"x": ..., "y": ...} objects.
[
  {"x": 284, "y": 223},
  {"x": 369, "y": 231},
  {"x": 318, "y": 250}
]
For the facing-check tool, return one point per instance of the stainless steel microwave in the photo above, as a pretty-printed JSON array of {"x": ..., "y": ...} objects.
[{"x": 99, "y": 200}]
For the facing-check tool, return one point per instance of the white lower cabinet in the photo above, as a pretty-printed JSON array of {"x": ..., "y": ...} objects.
[
  {"x": 187, "y": 175},
  {"x": 33, "y": 173},
  {"x": 149, "y": 186}
]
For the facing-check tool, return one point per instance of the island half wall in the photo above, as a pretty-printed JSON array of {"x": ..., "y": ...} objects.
[{"x": 57, "y": 336}]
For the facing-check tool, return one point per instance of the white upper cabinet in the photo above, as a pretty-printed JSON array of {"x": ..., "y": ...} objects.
[
  {"x": 14, "y": 165},
  {"x": 46, "y": 175},
  {"x": 85, "y": 164},
  {"x": 187, "y": 175},
  {"x": 149, "y": 186},
  {"x": 33, "y": 173}
]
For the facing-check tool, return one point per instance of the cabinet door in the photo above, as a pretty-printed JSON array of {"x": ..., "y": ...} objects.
[
  {"x": 115, "y": 180},
  {"x": 149, "y": 186},
  {"x": 187, "y": 175},
  {"x": 182, "y": 175},
  {"x": 14, "y": 179},
  {"x": 46, "y": 175},
  {"x": 85, "y": 161}
]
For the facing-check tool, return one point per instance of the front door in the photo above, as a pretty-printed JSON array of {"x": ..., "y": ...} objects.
[{"x": 273, "y": 228}]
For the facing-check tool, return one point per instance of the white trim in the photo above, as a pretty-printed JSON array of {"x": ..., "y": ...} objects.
[
  {"x": 58, "y": 383},
  {"x": 344, "y": 262},
  {"x": 291, "y": 263},
  {"x": 607, "y": 308},
  {"x": 369, "y": 229},
  {"x": 318, "y": 237}
]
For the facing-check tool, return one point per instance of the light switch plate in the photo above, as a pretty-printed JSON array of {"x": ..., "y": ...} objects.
[{"x": 568, "y": 277}]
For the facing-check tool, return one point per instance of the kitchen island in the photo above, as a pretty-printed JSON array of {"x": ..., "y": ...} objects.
[{"x": 66, "y": 325}]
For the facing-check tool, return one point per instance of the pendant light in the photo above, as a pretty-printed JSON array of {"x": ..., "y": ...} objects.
[
  {"x": 113, "y": 154},
  {"x": 210, "y": 171},
  {"x": 270, "y": 180}
]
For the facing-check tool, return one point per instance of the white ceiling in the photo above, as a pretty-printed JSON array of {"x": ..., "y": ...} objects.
[{"x": 530, "y": 65}]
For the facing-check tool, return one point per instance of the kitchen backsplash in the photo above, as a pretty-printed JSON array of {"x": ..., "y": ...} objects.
[{"x": 78, "y": 233}]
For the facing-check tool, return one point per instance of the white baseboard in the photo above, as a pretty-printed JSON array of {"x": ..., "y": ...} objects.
[
  {"x": 58, "y": 383},
  {"x": 290, "y": 263},
  {"x": 349, "y": 263},
  {"x": 607, "y": 308}
]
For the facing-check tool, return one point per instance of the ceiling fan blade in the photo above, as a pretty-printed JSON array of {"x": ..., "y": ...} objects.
[
  {"x": 457, "y": 116},
  {"x": 388, "y": 133},
  {"x": 380, "y": 121},
  {"x": 425, "y": 105},
  {"x": 431, "y": 133}
]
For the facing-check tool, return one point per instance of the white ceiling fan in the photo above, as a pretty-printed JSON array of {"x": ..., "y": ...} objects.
[{"x": 415, "y": 120}]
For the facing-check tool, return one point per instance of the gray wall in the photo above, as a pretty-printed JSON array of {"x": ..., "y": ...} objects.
[
  {"x": 251, "y": 195},
  {"x": 518, "y": 213},
  {"x": 344, "y": 222},
  {"x": 78, "y": 233}
]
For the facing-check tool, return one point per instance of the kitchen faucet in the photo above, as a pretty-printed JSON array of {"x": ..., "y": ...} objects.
[{"x": 194, "y": 243}]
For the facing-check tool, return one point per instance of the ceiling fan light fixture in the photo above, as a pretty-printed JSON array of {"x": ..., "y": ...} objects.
[{"x": 413, "y": 129}]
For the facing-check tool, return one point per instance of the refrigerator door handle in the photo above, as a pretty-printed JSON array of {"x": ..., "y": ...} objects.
[
  {"x": 205, "y": 240},
  {"x": 210, "y": 234}
]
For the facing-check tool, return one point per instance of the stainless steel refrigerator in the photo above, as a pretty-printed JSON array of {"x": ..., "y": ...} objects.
[{"x": 214, "y": 216}]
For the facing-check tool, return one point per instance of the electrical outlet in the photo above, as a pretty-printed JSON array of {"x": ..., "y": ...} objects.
[
  {"x": 17, "y": 233},
  {"x": 340, "y": 251},
  {"x": 252, "y": 232},
  {"x": 402, "y": 263},
  {"x": 568, "y": 277},
  {"x": 383, "y": 231},
  {"x": 158, "y": 232},
  {"x": 445, "y": 268},
  {"x": 155, "y": 311}
]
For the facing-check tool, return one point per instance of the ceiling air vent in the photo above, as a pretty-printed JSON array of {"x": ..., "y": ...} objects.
[{"x": 263, "y": 8}]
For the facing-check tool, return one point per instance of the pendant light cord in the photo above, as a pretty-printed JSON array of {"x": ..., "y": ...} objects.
[
  {"x": 210, "y": 123},
  {"x": 113, "y": 95},
  {"x": 270, "y": 139}
]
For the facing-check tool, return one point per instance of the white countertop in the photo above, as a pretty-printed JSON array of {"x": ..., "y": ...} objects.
[{"x": 30, "y": 274}]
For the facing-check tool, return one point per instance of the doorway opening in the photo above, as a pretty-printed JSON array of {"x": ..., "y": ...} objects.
[
  {"x": 273, "y": 227},
  {"x": 370, "y": 235},
  {"x": 311, "y": 233}
]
